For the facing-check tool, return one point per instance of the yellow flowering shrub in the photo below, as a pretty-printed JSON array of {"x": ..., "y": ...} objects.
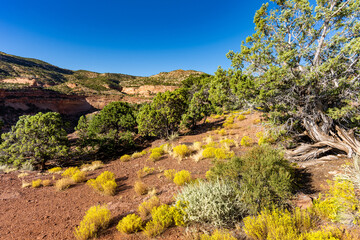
[
  {"x": 245, "y": 141},
  {"x": 55, "y": 170},
  {"x": 182, "y": 177},
  {"x": 130, "y": 224},
  {"x": 340, "y": 204},
  {"x": 181, "y": 151},
  {"x": 154, "y": 156},
  {"x": 169, "y": 174},
  {"x": 95, "y": 219},
  {"x": 218, "y": 235},
  {"x": 36, "y": 183},
  {"x": 125, "y": 158},
  {"x": 104, "y": 183}
]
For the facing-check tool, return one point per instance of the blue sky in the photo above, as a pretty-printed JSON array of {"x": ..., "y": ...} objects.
[{"x": 134, "y": 37}]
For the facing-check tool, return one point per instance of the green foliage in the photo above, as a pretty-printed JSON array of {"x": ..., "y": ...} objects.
[
  {"x": 104, "y": 183},
  {"x": 130, "y": 224},
  {"x": 34, "y": 139},
  {"x": 96, "y": 218},
  {"x": 162, "y": 117},
  {"x": 263, "y": 172},
  {"x": 112, "y": 127},
  {"x": 303, "y": 60},
  {"x": 199, "y": 108},
  {"x": 181, "y": 178},
  {"x": 217, "y": 203}
]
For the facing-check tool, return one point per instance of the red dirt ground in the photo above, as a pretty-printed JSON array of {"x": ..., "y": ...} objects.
[{"x": 44, "y": 213}]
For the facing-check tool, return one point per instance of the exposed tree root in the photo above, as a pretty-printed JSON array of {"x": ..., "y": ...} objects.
[{"x": 325, "y": 141}]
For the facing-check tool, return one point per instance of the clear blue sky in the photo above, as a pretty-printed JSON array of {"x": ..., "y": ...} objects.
[{"x": 137, "y": 37}]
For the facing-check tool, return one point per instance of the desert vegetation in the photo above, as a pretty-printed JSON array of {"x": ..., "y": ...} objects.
[{"x": 223, "y": 154}]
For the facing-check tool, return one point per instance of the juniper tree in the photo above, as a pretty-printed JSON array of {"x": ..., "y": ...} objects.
[
  {"x": 34, "y": 140},
  {"x": 304, "y": 63}
]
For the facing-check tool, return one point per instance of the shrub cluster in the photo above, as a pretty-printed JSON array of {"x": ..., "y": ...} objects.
[
  {"x": 163, "y": 217},
  {"x": 264, "y": 172},
  {"x": 104, "y": 183},
  {"x": 95, "y": 219},
  {"x": 217, "y": 203},
  {"x": 340, "y": 204}
]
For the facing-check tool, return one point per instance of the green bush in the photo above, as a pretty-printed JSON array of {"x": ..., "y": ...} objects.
[
  {"x": 217, "y": 203},
  {"x": 263, "y": 171}
]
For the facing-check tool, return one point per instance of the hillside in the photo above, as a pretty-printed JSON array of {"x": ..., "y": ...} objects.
[{"x": 19, "y": 72}]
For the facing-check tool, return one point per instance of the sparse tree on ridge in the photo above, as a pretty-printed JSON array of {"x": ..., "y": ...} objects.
[{"x": 304, "y": 62}]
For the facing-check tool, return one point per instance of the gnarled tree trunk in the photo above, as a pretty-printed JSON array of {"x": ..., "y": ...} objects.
[{"x": 325, "y": 140}]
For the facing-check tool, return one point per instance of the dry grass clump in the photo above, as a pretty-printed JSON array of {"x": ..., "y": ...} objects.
[
  {"x": 95, "y": 219},
  {"x": 182, "y": 177},
  {"x": 145, "y": 208},
  {"x": 246, "y": 141},
  {"x": 36, "y": 183},
  {"x": 222, "y": 132},
  {"x": 198, "y": 156},
  {"x": 181, "y": 151},
  {"x": 140, "y": 188},
  {"x": 196, "y": 146},
  {"x": 55, "y": 170},
  {"x": 125, "y": 158},
  {"x": 21, "y": 175},
  {"x": 130, "y": 224},
  {"x": 256, "y": 121},
  {"x": 63, "y": 183},
  {"x": 25, "y": 184},
  {"x": 227, "y": 143},
  {"x": 46, "y": 182},
  {"x": 104, "y": 183},
  {"x": 93, "y": 166},
  {"x": 144, "y": 172},
  {"x": 169, "y": 174}
]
